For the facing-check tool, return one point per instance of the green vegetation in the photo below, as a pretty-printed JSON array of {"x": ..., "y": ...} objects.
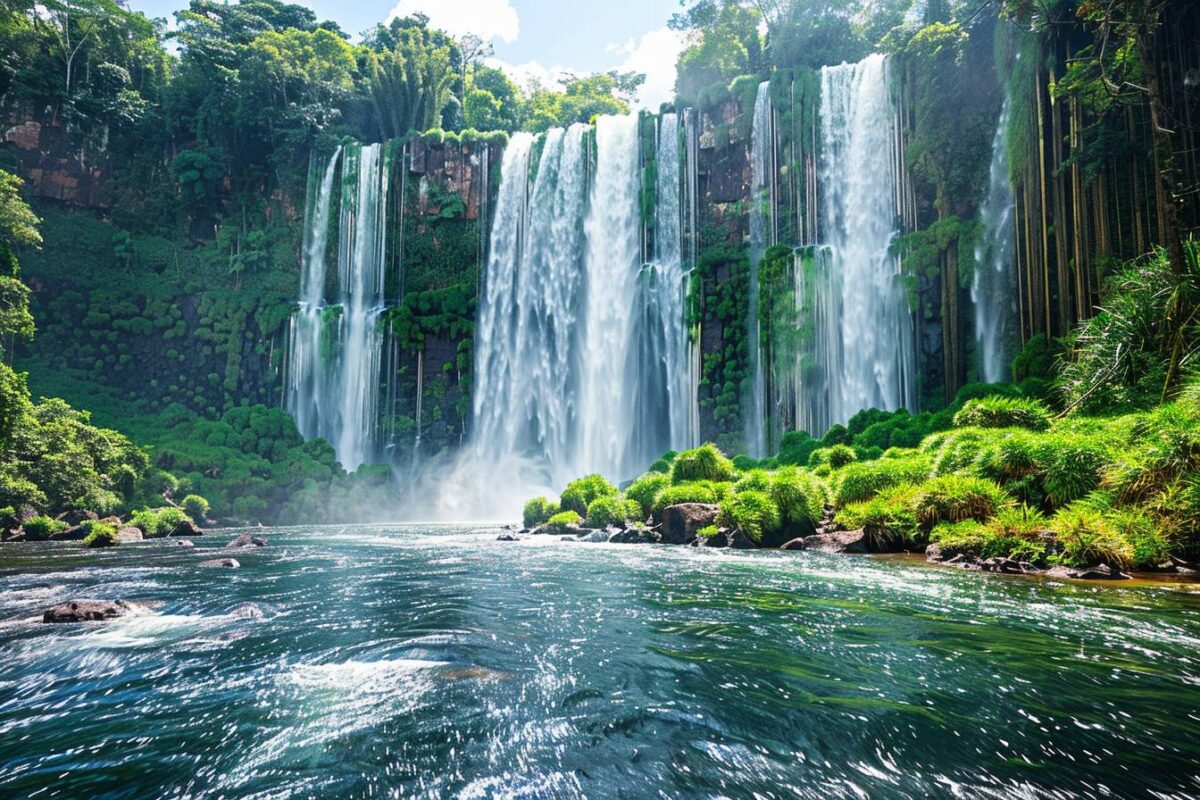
[
  {"x": 559, "y": 522},
  {"x": 704, "y": 463},
  {"x": 155, "y": 523},
  {"x": 537, "y": 511},
  {"x": 99, "y": 533},
  {"x": 580, "y": 493}
]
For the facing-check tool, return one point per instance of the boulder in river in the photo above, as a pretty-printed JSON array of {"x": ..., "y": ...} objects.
[
  {"x": 75, "y": 533},
  {"x": 506, "y": 537},
  {"x": 88, "y": 610},
  {"x": 229, "y": 563},
  {"x": 73, "y": 518},
  {"x": 837, "y": 542},
  {"x": 186, "y": 528},
  {"x": 634, "y": 536},
  {"x": 793, "y": 544},
  {"x": 183, "y": 542},
  {"x": 1100, "y": 572},
  {"x": 682, "y": 522},
  {"x": 246, "y": 540},
  {"x": 128, "y": 533}
]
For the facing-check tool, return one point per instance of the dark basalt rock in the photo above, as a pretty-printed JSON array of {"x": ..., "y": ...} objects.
[
  {"x": 720, "y": 539},
  {"x": 186, "y": 528},
  {"x": 635, "y": 536},
  {"x": 837, "y": 542},
  {"x": 73, "y": 518},
  {"x": 1100, "y": 572},
  {"x": 740, "y": 541},
  {"x": 72, "y": 534},
  {"x": 793, "y": 544},
  {"x": 1008, "y": 566},
  {"x": 506, "y": 537},
  {"x": 245, "y": 540},
  {"x": 230, "y": 563},
  {"x": 183, "y": 543},
  {"x": 681, "y": 522},
  {"x": 87, "y": 611}
]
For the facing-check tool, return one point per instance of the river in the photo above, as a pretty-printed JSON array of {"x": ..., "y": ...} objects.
[{"x": 419, "y": 661}]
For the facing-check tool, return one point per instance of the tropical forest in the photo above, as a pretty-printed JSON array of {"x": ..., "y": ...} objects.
[{"x": 647, "y": 399}]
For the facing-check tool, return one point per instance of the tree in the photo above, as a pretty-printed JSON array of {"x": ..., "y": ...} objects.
[
  {"x": 410, "y": 78},
  {"x": 492, "y": 102},
  {"x": 18, "y": 228},
  {"x": 723, "y": 43}
]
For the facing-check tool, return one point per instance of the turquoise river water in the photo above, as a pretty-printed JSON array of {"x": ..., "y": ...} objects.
[{"x": 418, "y": 661}]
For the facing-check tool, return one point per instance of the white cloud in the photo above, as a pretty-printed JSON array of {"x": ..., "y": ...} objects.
[
  {"x": 655, "y": 55},
  {"x": 487, "y": 19}
]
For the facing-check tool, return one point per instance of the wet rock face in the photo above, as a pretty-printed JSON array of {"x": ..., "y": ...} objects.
[
  {"x": 682, "y": 522},
  {"x": 634, "y": 536},
  {"x": 86, "y": 611},
  {"x": 1100, "y": 572},
  {"x": 186, "y": 528},
  {"x": 837, "y": 542}
]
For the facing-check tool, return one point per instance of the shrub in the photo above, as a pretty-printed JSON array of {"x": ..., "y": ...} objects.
[
  {"x": 42, "y": 527},
  {"x": 795, "y": 448},
  {"x": 960, "y": 450},
  {"x": 1003, "y": 412},
  {"x": 758, "y": 480},
  {"x": 157, "y": 522},
  {"x": 887, "y": 518},
  {"x": 1070, "y": 466},
  {"x": 703, "y": 463},
  {"x": 580, "y": 493},
  {"x": 643, "y": 490},
  {"x": 693, "y": 492},
  {"x": 708, "y": 531},
  {"x": 862, "y": 481},
  {"x": 752, "y": 512},
  {"x": 537, "y": 511},
  {"x": 195, "y": 506},
  {"x": 840, "y": 455},
  {"x": 959, "y": 538},
  {"x": 1087, "y": 539},
  {"x": 954, "y": 498},
  {"x": 613, "y": 510},
  {"x": 99, "y": 534},
  {"x": 799, "y": 496},
  {"x": 560, "y": 521},
  {"x": 1148, "y": 545}
]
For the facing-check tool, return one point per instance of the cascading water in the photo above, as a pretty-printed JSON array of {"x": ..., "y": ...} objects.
[
  {"x": 993, "y": 287},
  {"x": 527, "y": 363},
  {"x": 762, "y": 171},
  {"x": 876, "y": 362},
  {"x": 304, "y": 398},
  {"x": 608, "y": 405},
  {"x": 336, "y": 349},
  {"x": 661, "y": 379}
]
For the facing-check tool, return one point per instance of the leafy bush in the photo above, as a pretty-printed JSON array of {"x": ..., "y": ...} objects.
[
  {"x": 1148, "y": 545},
  {"x": 1003, "y": 412},
  {"x": 99, "y": 533},
  {"x": 835, "y": 457},
  {"x": 954, "y": 498},
  {"x": 703, "y": 463},
  {"x": 861, "y": 481},
  {"x": 1087, "y": 539},
  {"x": 708, "y": 531},
  {"x": 795, "y": 448},
  {"x": 643, "y": 490},
  {"x": 888, "y": 518},
  {"x": 799, "y": 496},
  {"x": 752, "y": 512},
  {"x": 611, "y": 510},
  {"x": 560, "y": 521},
  {"x": 580, "y": 493},
  {"x": 42, "y": 527},
  {"x": 537, "y": 511},
  {"x": 692, "y": 492},
  {"x": 758, "y": 480},
  {"x": 1070, "y": 466},
  {"x": 195, "y": 506},
  {"x": 157, "y": 522}
]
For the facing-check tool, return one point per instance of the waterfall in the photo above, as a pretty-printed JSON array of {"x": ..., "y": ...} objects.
[
  {"x": 660, "y": 379},
  {"x": 304, "y": 400},
  {"x": 691, "y": 138},
  {"x": 527, "y": 362},
  {"x": 762, "y": 180},
  {"x": 609, "y": 404},
  {"x": 336, "y": 349},
  {"x": 867, "y": 302},
  {"x": 993, "y": 288}
]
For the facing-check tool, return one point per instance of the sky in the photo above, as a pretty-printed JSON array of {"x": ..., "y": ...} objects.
[{"x": 538, "y": 38}]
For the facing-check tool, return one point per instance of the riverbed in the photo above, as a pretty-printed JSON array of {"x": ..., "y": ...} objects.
[{"x": 422, "y": 661}]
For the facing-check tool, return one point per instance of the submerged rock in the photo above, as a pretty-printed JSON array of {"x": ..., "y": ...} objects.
[
  {"x": 245, "y": 540},
  {"x": 230, "y": 563},
  {"x": 247, "y": 611},
  {"x": 837, "y": 542},
  {"x": 506, "y": 537},
  {"x": 682, "y": 522},
  {"x": 89, "y": 610},
  {"x": 793, "y": 544},
  {"x": 739, "y": 540}
]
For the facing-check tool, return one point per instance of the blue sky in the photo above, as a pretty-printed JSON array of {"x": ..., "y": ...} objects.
[{"x": 532, "y": 38}]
